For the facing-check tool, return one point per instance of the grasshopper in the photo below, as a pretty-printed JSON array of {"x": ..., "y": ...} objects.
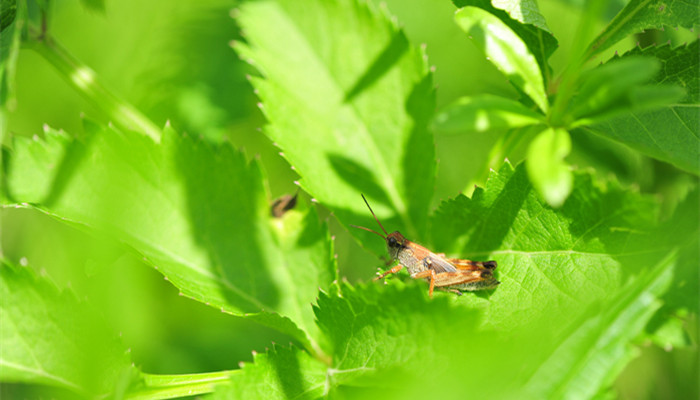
[{"x": 451, "y": 274}]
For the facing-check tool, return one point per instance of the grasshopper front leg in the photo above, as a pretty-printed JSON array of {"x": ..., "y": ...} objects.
[{"x": 394, "y": 270}]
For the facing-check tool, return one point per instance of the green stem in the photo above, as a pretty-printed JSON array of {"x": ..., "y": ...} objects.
[
  {"x": 169, "y": 386},
  {"x": 122, "y": 114},
  {"x": 506, "y": 144}
]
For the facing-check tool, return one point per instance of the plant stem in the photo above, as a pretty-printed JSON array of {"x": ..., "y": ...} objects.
[
  {"x": 506, "y": 144},
  {"x": 170, "y": 386},
  {"x": 85, "y": 81}
]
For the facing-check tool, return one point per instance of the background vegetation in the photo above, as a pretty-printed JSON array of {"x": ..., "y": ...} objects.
[{"x": 144, "y": 143}]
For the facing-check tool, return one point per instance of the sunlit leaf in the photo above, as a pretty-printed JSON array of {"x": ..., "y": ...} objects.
[
  {"x": 50, "y": 338},
  {"x": 524, "y": 18},
  {"x": 548, "y": 171},
  {"x": 639, "y": 15},
  {"x": 199, "y": 213},
  {"x": 281, "y": 373},
  {"x": 348, "y": 101},
  {"x": 506, "y": 50},
  {"x": 484, "y": 113}
]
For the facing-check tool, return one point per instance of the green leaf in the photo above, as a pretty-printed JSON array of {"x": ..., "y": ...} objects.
[
  {"x": 548, "y": 259},
  {"x": 524, "y": 19},
  {"x": 394, "y": 339},
  {"x": 578, "y": 285},
  {"x": 280, "y": 373},
  {"x": 483, "y": 114},
  {"x": 506, "y": 50},
  {"x": 596, "y": 347},
  {"x": 606, "y": 86},
  {"x": 51, "y": 338},
  {"x": 550, "y": 174},
  {"x": 11, "y": 20},
  {"x": 199, "y": 213},
  {"x": 671, "y": 133},
  {"x": 639, "y": 15},
  {"x": 150, "y": 386},
  {"x": 348, "y": 101},
  {"x": 525, "y": 11}
]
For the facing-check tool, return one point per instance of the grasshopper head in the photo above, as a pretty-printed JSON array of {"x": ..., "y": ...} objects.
[{"x": 395, "y": 242}]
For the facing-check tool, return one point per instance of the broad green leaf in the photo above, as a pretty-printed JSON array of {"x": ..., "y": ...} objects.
[
  {"x": 506, "y": 50},
  {"x": 525, "y": 20},
  {"x": 578, "y": 285},
  {"x": 199, "y": 213},
  {"x": 395, "y": 341},
  {"x": 281, "y": 373},
  {"x": 554, "y": 260},
  {"x": 348, "y": 101},
  {"x": 596, "y": 346},
  {"x": 550, "y": 175},
  {"x": 639, "y": 15},
  {"x": 50, "y": 338},
  {"x": 483, "y": 114},
  {"x": 671, "y": 133}
]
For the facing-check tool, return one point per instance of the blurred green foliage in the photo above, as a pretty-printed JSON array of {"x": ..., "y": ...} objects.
[{"x": 157, "y": 264}]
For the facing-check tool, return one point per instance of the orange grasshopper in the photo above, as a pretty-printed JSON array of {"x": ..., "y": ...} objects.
[{"x": 452, "y": 274}]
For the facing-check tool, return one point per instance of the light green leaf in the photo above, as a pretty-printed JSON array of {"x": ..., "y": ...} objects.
[
  {"x": 639, "y": 15},
  {"x": 280, "y": 373},
  {"x": 150, "y": 386},
  {"x": 348, "y": 101},
  {"x": 506, "y": 50},
  {"x": 525, "y": 11},
  {"x": 671, "y": 133},
  {"x": 578, "y": 284},
  {"x": 554, "y": 260},
  {"x": 596, "y": 346},
  {"x": 51, "y": 338},
  {"x": 395, "y": 342},
  {"x": 485, "y": 113},
  {"x": 199, "y": 213},
  {"x": 525, "y": 20},
  {"x": 548, "y": 171}
]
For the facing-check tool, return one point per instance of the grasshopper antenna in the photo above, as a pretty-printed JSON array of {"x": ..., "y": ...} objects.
[{"x": 375, "y": 218}]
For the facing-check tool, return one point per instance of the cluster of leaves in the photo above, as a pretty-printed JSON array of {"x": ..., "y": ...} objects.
[{"x": 584, "y": 264}]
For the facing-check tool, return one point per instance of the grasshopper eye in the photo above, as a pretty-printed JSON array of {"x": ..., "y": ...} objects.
[{"x": 392, "y": 242}]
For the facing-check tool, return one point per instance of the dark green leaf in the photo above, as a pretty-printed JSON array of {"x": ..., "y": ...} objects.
[
  {"x": 10, "y": 23},
  {"x": 506, "y": 50},
  {"x": 198, "y": 212},
  {"x": 51, "y": 338},
  {"x": 483, "y": 114},
  {"x": 605, "y": 86},
  {"x": 348, "y": 101},
  {"x": 639, "y": 15},
  {"x": 670, "y": 133}
]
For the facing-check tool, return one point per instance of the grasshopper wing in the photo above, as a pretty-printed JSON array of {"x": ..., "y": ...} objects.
[{"x": 438, "y": 264}]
